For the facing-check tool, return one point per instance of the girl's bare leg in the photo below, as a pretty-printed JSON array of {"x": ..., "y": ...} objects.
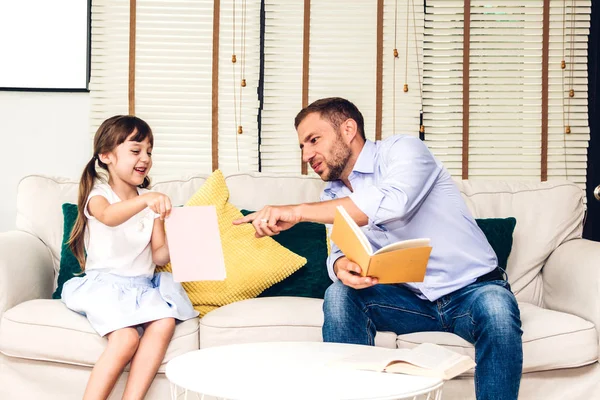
[
  {"x": 150, "y": 354},
  {"x": 122, "y": 345}
]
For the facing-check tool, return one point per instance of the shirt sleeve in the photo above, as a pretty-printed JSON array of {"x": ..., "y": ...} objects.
[
  {"x": 331, "y": 259},
  {"x": 334, "y": 252},
  {"x": 409, "y": 172},
  {"x": 98, "y": 190}
]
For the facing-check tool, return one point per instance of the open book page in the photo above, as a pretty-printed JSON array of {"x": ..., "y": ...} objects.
[
  {"x": 359, "y": 233},
  {"x": 372, "y": 358},
  {"x": 427, "y": 359},
  {"x": 431, "y": 356},
  {"x": 405, "y": 244},
  {"x": 431, "y": 360}
]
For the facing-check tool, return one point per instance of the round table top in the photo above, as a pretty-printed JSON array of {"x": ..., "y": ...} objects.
[{"x": 290, "y": 370}]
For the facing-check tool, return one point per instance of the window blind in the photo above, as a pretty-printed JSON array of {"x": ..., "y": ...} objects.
[
  {"x": 342, "y": 62},
  {"x": 403, "y": 29},
  {"x": 173, "y": 88},
  {"x": 505, "y": 78},
  {"x": 110, "y": 60},
  {"x": 505, "y": 86},
  {"x": 569, "y": 30},
  {"x": 239, "y": 152},
  {"x": 282, "y": 85},
  {"x": 442, "y": 81},
  {"x": 173, "y": 79},
  {"x": 173, "y": 82}
]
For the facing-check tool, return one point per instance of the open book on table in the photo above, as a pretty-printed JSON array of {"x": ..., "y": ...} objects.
[
  {"x": 404, "y": 261},
  {"x": 427, "y": 359}
]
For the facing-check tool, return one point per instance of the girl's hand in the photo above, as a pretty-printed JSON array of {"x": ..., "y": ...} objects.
[{"x": 159, "y": 203}]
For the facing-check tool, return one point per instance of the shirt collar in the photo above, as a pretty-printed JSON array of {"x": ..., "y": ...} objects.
[{"x": 364, "y": 164}]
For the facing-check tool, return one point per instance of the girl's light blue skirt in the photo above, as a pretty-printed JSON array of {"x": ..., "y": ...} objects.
[{"x": 112, "y": 302}]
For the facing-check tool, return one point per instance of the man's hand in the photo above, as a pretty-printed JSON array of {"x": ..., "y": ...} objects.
[
  {"x": 349, "y": 274},
  {"x": 272, "y": 219}
]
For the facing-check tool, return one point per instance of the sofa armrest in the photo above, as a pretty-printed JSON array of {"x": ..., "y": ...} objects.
[
  {"x": 26, "y": 270},
  {"x": 571, "y": 279}
]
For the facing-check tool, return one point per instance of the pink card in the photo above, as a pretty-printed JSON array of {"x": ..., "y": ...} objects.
[{"x": 195, "y": 244}]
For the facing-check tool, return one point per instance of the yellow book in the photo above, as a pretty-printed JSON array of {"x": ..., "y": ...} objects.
[
  {"x": 427, "y": 359},
  {"x": 404, "y": 261}
]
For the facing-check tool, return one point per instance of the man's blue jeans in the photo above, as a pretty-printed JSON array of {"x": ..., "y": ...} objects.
[{"x": 485, "y": 314}]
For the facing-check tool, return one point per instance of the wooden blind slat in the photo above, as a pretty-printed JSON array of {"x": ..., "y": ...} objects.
[
  {"x": 545, "y": 50},
  {"x": 305, "y": 64},
  {"x": 379, "y": 72},
  {"x": 215, "y": 84},
  {"x": 466, "y": 67},
  {"x": 132, "y": 36}
]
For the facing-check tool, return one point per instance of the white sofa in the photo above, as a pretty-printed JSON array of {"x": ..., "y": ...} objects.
[{"x": 47, "y": 351}]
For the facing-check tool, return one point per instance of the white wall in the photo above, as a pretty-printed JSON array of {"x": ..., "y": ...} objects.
[{"x": 40, "y": 133}]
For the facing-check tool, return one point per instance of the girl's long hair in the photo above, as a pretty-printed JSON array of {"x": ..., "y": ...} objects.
[{"x": 109, "y": 135}]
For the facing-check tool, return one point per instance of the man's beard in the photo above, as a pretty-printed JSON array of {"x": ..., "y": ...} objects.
[{"x": 339, "y": 159}]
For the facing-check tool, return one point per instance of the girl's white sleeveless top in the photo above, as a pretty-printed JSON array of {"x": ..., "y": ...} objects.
[{"x": 123, "y": 249}]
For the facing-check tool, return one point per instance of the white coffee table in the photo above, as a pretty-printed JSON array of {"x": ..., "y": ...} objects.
[{"x": 288, "y": 370}]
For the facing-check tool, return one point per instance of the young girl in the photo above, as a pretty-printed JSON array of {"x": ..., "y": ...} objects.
[{"x": 118, "y": 239}]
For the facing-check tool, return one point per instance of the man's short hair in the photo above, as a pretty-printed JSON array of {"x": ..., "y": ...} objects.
[{"x": 335, "y": 110}]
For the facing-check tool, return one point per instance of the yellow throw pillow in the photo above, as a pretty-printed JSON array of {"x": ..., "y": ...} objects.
[{"x": 252, "y": 264}]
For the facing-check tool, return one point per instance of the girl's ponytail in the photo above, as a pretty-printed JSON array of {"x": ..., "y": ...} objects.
[{"x": 77, "y": 238}]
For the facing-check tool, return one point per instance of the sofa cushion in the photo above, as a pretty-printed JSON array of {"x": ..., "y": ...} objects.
[
  {"x": 39, "y": 199},
  {"x": 47, "y": 330},
  {"x": 551, "y": 340},
  {"x": 309, "y": 240},
  {"x": 547, "y": 213},
  {"x": 270, "y": 319},
  {"x": 252, "y": 264},
  {"x": 253, "y": 191},
  {"x": 499, "y": 233},
  {"x": 69, "y": 266}
]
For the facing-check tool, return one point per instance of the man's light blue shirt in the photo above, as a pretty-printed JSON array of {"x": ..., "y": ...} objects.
[{"x": 407, "y": 193}]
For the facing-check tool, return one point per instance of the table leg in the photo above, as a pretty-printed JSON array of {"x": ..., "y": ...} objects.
[
  {"x": 433, "y": 395},
  {"x": 177, "y": 393},
  {"x": 173, "y": 391}
]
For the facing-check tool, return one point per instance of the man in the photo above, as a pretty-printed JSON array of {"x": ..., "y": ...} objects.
[{"x": 396, "y": 189}]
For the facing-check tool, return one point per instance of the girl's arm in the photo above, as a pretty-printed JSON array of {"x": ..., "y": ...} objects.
[
  {"x": 158, "y": 243},
  {"x": 117, "y": 213}
]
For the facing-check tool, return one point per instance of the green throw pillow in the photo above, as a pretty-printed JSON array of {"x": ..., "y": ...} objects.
[
  {"x": 309, "y": 240},
  {"x": 499, "y": 233},
  {"x": 69, "y": 267}
]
